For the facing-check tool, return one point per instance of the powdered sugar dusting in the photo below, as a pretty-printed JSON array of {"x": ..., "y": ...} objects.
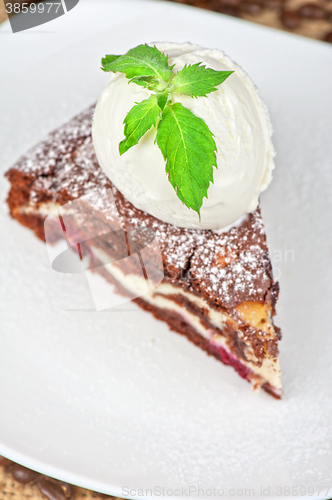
[
  {"x": 176, "y": 244},
  {"x": 234, "y": 267}
]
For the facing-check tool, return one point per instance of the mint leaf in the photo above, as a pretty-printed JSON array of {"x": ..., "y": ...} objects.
[
  {"x": 138, "y": 121},
  {"x": 162, "y": 98},
  {"x": 142, "y": 60},
  {"x": 108, "y": 60},
  {"x": 146, "y": 81},
  {"x": 188, "y": 148},
  {"x": 197, "y": 80}
]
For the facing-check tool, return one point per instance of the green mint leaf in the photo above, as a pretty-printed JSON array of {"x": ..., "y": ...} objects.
[
  {"x": 145, "y": 81},
  {"x": 138, "y": 121},
  {"x": 142, "y": 60},
  {"x": 162, "y": 98},
  {"x": 188, "y": 148},
  {"x": 197, "y": 80},
  {"x": 108, "y": 60}
]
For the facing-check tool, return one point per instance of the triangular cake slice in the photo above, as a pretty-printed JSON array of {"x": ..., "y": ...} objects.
[{"x": 216, "y": 289}]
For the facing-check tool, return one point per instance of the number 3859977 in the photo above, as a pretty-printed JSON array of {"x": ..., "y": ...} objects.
[{"x": 45, "y": 7}]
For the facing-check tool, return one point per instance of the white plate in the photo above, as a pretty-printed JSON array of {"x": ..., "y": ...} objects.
[{"x": 114, "y": 400}]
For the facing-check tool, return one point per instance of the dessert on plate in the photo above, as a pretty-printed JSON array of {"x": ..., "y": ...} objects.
[{"x": 161, "y": 198}]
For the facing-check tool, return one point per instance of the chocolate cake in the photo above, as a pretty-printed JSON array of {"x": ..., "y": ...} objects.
[{"x": 216, "y": 289}]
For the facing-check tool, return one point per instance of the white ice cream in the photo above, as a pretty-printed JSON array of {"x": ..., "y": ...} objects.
[{"x": 235, "y": 114}]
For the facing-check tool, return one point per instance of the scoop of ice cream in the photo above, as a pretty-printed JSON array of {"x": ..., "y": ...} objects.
[{"x": 234, "y": 113}]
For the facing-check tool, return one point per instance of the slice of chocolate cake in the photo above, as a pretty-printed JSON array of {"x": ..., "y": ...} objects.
[{"x": 216, "y": 289}]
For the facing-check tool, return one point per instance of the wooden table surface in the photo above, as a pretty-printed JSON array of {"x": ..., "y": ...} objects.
[{"x": 310, "y": 18}]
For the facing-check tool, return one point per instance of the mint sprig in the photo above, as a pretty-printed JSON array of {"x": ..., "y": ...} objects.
[{"x": 184, "y": 139}]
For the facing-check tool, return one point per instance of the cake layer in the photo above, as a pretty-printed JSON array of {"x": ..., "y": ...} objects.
[{"x": 219, "y": 285}]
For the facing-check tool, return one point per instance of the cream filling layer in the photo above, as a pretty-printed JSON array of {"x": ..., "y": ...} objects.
[{"x": 42, "y": 209}]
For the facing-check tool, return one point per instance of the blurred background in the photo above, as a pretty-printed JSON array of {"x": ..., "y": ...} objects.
[{"x": 311, "y": 18}]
